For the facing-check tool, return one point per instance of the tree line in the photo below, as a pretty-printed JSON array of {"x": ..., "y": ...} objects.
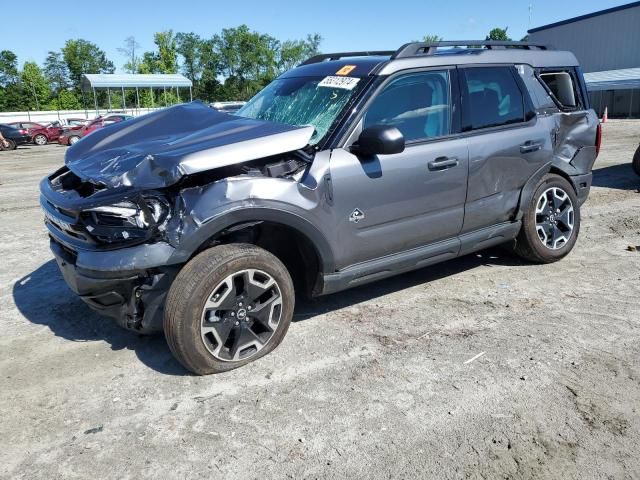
[{"x": 231, "y": 65}]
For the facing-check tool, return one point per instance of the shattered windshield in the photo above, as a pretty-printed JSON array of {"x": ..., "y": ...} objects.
[{"x": 301, "y": 101}]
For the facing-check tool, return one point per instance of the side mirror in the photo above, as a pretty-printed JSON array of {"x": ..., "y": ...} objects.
[{"x": 379, "y": 140}]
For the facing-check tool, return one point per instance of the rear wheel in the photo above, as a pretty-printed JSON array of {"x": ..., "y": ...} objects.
[
  {"x": 229, "y": 306},
  {"x": 73, "y": 139},
  {"x": 40, "y": 139},
  {"x": 636, "y": 161},
  {"x": 551, "y": 223}
]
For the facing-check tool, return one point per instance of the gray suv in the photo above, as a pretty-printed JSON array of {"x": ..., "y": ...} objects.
[{"x": 348, "y": 169}]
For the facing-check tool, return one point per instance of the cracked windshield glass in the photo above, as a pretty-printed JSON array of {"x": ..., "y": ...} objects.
[{"x": 302, "y": 101}]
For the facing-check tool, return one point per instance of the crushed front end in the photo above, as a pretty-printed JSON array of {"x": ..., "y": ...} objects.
[{"x": 111, "y": 247}]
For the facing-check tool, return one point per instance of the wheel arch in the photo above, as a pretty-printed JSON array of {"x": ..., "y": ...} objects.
[
  {"x": 287, "y": 235},
  {"x": 530, "y": 187}
]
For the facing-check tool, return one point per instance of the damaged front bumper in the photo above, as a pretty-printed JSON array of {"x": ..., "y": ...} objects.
[{"x": 129, "y": 285}]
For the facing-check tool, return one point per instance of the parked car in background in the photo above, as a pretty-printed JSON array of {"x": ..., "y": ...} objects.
[
  {"x": 76, "y": 122},
  {"x": 72, "y": 135},
  {"x": 40, "y": 134},
  {"x": 14, "y": 136},
  {"x": 636, "y": 161},
  {"x": 227, "y": 107}
]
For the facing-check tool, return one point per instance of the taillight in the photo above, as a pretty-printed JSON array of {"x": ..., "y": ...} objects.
[
  {"x": 598, "y": 138},
  {"x": 23, "y": 132}
]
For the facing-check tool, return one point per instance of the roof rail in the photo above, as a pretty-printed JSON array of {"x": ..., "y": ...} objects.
[
  {"x": 429, "y": 48},
  {"x": 339, "y": 55}
]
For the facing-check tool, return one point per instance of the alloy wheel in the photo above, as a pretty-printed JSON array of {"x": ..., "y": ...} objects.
[
  {"x": 241, "y": 315},
  {"x": 40, "y": 140},
  {"x": 554, "y": 218}
]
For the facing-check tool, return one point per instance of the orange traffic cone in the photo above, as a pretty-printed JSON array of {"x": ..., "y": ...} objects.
[{"x": 605, "y": 116}]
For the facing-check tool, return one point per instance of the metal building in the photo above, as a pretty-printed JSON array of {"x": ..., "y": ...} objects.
[{"x": 607, "y": 44}]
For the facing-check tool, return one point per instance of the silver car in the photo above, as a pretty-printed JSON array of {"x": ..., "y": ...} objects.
[{"x": 348, "y": 169}]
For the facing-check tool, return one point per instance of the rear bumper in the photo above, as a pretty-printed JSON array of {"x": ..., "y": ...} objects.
[{"x": 582, "y": 184}]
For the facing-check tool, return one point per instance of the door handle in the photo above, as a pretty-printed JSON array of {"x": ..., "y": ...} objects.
[
  {"x": 529, "y": 146},
  {"x": 442, "y": 163}
]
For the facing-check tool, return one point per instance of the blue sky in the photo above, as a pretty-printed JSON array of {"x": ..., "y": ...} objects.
[{"x": 344, "y": 25}]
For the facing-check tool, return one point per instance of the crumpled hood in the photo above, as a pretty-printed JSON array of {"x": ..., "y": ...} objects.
[{"x": 157, "y": 149}]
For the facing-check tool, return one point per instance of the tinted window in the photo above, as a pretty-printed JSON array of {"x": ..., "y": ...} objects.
[
  {"x": 493, "y": 96},
  {"x": 418, "y": 104}
]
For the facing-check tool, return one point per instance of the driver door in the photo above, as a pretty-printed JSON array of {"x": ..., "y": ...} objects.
[{"x": 388, "y": 204}]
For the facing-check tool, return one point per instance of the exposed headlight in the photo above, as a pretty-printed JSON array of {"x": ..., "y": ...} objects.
[{"x": 127, "y": 220}]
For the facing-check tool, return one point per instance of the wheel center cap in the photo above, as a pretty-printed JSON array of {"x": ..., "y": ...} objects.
[{"x": 241, "y": 314}]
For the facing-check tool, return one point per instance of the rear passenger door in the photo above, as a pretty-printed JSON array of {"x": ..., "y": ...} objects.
[{"x": 507, "y": 143}]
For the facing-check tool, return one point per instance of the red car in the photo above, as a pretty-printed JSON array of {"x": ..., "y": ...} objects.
[
  {"x": 72, "y": 135},
  {"x": 40, "y": 134}
]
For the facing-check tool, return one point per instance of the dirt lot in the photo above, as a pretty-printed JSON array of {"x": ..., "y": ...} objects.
[{"x": 371, "y": 383}]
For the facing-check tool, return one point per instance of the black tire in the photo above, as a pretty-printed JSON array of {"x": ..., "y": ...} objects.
[
  {"x": 198, "y": 283},
  {"x": 530, "y": 244},
  {"x": 636, "y": 162},
  {"x": 40, "y": 139},
  {"x": 12, "y": 145},
  {"x": 73, "y": 139}
]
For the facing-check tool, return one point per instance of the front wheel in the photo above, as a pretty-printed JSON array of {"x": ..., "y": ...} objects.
[
  {"x": 551, "y": 223},
  {"x": 40, "y": 139},
  {"x": 636, "y": 161},
  {"x": 73, "y": 140},
  {"x": 228, "y": 306}
]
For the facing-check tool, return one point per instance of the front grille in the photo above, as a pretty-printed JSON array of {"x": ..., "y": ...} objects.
[
  {"x": 64, "y": 222},
  {"x": 64, "y": 180}
]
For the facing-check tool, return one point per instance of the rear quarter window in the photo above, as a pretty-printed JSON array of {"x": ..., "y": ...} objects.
[{"x": 563, "y": 87}]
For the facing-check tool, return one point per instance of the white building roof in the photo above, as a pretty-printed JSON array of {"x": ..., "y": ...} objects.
[{"x": 103, "y": 80}]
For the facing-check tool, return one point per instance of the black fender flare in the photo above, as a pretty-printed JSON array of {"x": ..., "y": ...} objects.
[
  {"x": 190, "y": 243},
  {"x": 529, "y": 189},
  {"x": 564, "y": 169}
]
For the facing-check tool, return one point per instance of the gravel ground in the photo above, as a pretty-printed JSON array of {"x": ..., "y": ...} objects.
[{"x": 482, "y": 367}]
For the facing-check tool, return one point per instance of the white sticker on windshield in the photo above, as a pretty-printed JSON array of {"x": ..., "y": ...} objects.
[{"x": 346, "y": 83}]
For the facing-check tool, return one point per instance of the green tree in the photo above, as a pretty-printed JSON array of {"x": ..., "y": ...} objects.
[
  {"x": 10, "y": 87},
  {"x": 82, "y": 56},
  {"x": 129, "y": 51},
  {"x": 68, "y": 100},
  {"x": 167, "y": 55},
  {"x": 294, "y": 52},
  {"x": 56, "y": 72},
  {"x": 8, "y": 68},
  {"x": 248, "y": 60},
  {"x": 149, "y": 63},
  {"x": 189, "y": 46},
  {"x": 209, "y": 88},
  {"x": 499, "y": 34},
  {"x": 35, "y": 86},
  {"x": 431, "y": 38}
]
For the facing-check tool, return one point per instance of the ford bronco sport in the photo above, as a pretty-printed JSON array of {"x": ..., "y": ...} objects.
[{"x": 348, "y": 169}]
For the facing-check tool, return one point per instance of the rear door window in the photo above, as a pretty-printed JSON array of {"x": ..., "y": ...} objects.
[{"x": 493, "y": 97}]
